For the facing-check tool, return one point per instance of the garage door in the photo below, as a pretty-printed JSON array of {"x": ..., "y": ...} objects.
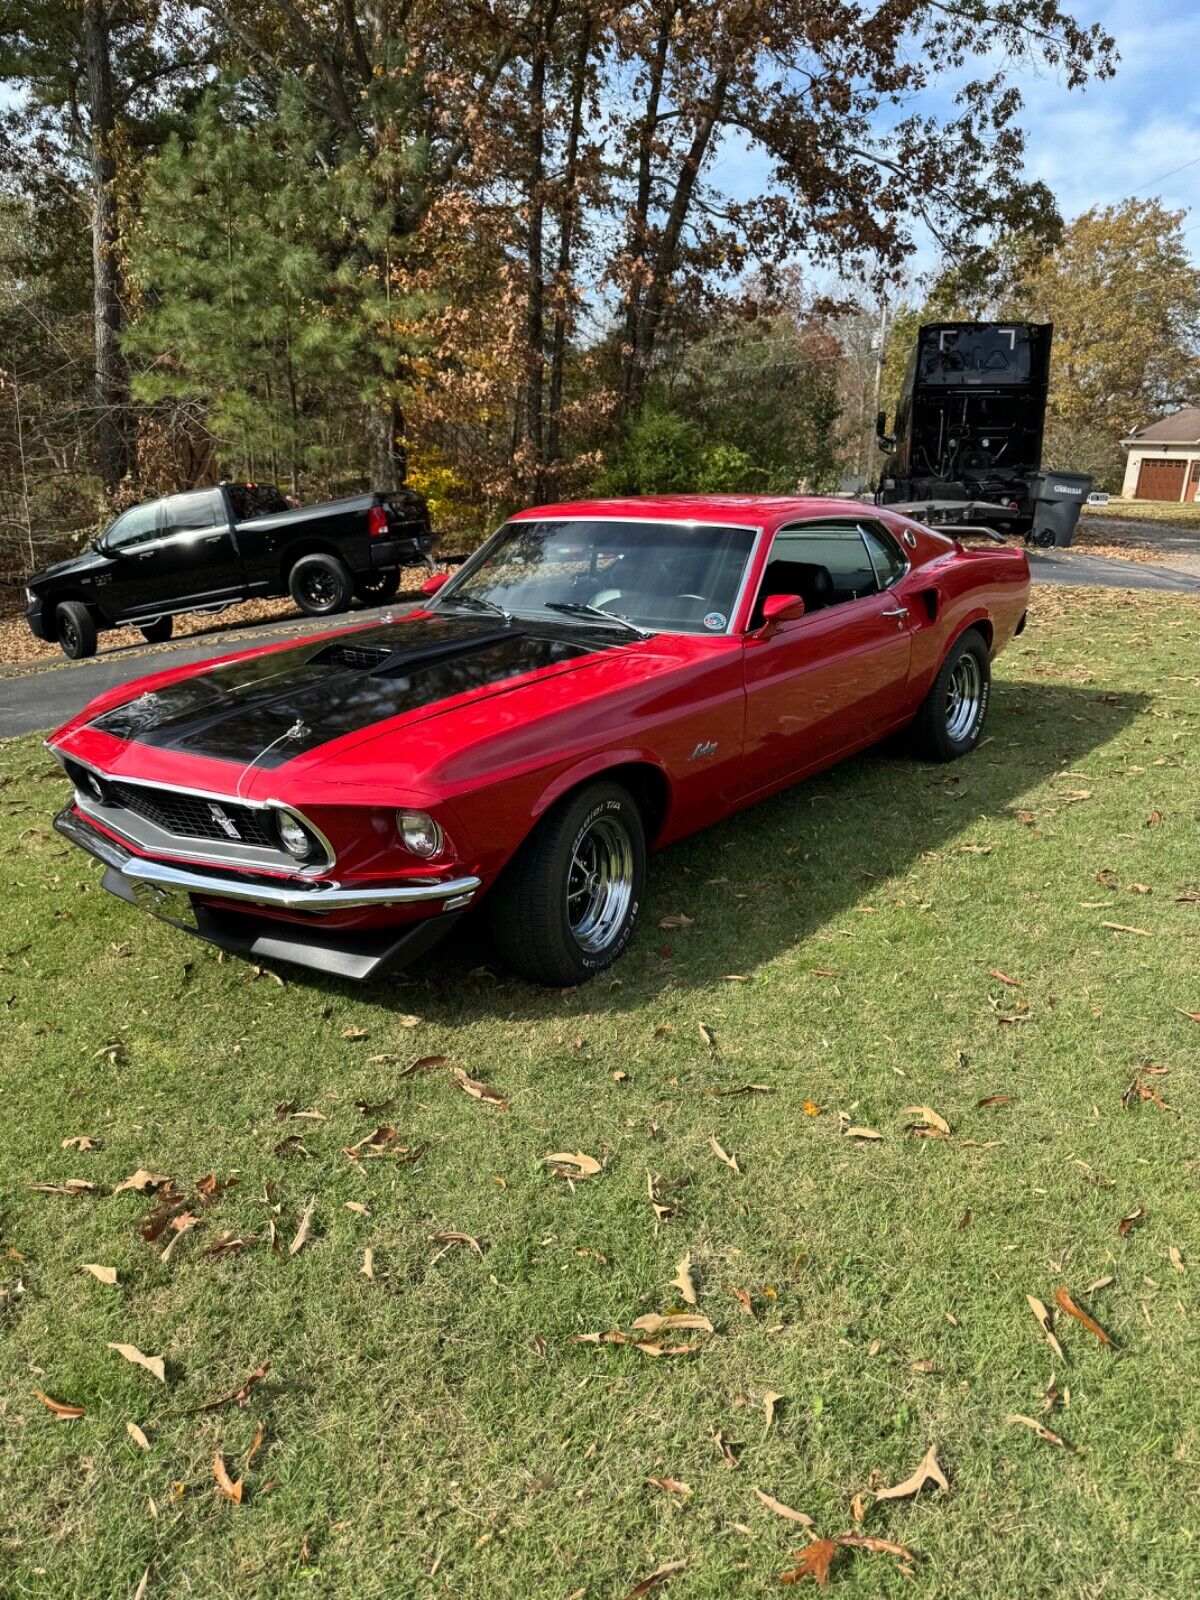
[{"x": 1161, "y": 480}]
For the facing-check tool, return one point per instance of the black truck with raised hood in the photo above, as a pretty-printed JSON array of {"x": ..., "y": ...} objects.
[
  {"x": 209, "y": 548},
  {"x": 966, "y": 447}
]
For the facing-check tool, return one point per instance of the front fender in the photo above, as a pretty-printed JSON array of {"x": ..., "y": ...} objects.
[{"x": 597, "y": 765}]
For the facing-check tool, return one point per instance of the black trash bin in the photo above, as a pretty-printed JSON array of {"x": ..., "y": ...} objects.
[{"x": 1058, "y": 498}]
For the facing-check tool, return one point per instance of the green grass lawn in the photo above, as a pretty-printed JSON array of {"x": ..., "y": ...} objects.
[
  {"x": 433, "y": 1430},
  {"x": 1147, "y": 511}
]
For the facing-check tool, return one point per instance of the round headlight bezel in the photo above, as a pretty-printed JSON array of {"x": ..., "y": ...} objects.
[
  {"x": 412, "y": 825},
  {"x": 287, "y": 821}
]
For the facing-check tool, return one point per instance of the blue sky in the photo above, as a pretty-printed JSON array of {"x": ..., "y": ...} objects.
[{"x": 1098, "y": 145}]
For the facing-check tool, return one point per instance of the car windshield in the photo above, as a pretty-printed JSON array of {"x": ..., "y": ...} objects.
[{"x": 676, "y": 577}]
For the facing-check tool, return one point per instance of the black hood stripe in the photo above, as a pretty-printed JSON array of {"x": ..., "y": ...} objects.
[{"x": 271, "y": 708}]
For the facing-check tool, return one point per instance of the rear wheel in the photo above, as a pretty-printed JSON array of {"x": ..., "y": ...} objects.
[
  {"x": 320, "y": 585},
  {"x": 157, "y": 632},
  {"x": 378, "y": 588},
  {"x": 568, "y": 904},
  {"x": 76, "y": 629},
  {"x": 950, "y": 722}
]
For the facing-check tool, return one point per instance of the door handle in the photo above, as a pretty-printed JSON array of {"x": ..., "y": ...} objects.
[{"x": 897, "y": 611}]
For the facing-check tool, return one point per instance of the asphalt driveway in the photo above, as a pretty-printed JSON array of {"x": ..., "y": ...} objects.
[{"x": 44, "y": 694}]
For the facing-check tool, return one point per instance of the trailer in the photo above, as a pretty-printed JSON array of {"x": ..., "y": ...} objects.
[{"x": 966, "y": 448}]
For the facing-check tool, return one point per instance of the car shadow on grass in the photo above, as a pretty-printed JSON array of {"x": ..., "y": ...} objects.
[{"x": 763, "y": 881}]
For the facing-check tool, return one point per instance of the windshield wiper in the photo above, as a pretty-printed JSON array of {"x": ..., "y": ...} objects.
[
  {"x": 479, "y": 604},
  {"x": 580, "y": 608}
]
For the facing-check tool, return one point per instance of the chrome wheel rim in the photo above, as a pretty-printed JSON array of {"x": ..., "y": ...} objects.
[
  {"x": 964, "y": 697},
  {"x": 599, "y": 884}
]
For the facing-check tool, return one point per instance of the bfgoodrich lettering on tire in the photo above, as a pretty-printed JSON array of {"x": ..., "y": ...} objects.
[
  {"x": 950, "y": 722},
  {"x": 568, "y": 903}
]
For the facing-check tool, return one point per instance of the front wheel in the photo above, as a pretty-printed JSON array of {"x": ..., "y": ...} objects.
[
  {"x": 568, "y": 903},
  {"x": 950, "y": 722},
  {"x": 378, "y": 588},
  {"x": 320, "y": 585},
  {"x": 76, "y": 628}
]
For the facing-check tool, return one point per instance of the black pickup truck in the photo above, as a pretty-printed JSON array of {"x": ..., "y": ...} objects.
[{"x": 208, "y": 548}]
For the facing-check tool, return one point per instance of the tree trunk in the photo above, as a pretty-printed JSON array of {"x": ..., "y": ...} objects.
[
  {"x": 535, "y": 314},
  {"x": 389, "y": 457},
  {"x": 114, "y": 443},
  {"x": 567, "y": 217},
  {"x": 639, "y": 244}
]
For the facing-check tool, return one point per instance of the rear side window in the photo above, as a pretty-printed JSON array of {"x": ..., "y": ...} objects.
[
  {"x": 138, "y": 525},
  {"x": 886, "y": 557},
  {"x": 825, "y": 566},
  {"x": 186, "y": 511},
  {"x": 254, "y": 500}
]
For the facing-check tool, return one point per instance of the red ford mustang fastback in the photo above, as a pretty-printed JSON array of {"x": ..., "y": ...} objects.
[{"x": 599, "y": 679}]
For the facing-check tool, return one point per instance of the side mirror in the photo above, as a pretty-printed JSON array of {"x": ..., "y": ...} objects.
[
  {"x": 782, "y": 608},
  {"x": 433, "y": 584}
]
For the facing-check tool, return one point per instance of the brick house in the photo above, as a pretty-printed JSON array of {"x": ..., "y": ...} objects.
[{"x": 1164, "y": 459}]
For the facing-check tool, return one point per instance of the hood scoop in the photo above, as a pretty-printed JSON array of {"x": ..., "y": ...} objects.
[{"x": 382, "y": 660}]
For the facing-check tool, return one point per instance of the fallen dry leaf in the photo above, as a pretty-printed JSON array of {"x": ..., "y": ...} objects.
[
  {"x": 1122, "y": 927},
  {"x": 143, "y": 1587},
  {"x": 81, "y": 1141},
  {"x": 409, "y": 1021},
  {"x": 62, "y": 1411},
  {"x": 1015, "y": 1420},
  {"x": 374, "y": 1110},
  {"x": 255, "y": 1446},
  {"x": 450, "y": 1239},
  {"x": 231, "y": 1490},
  {"x": 671, "y": 1486},
  {"x": 926, "y": 1117},
  {"x": 810, "y": 1108},
  {"x": 993, "y": 1100},
  {"x": 679, "y": 920},
  {"x": 138, "y": 1437},
  {"x": 239, "y": 1396},
  {"x": 726, "y": 1449},
  {"x": 769, "y": 1401},
  {"x": 1176, "y": 1258},
  {"x": 143, "y": 1181},
  {"x": 659, "y": 1575},
  {"x": 180, "y": 1225},
  {"x": 743, "y": 1299},
  {"x": 1128, "y": 1223},
  {"x": 102, "y": 1274},
  {"x": 354, "y": 1033},
  {"x": 230, "y": 1243},
  {"x": 780, "y": 1510},
  {"x": 708, "y": 1034},
  {"x": 683, "y": 1281},
  {"x": 723, "y": 1155},
  {"x": 358, "y": 1208},
  {"x": 368, "y": 1264},
  {"x": 421, "y": 1064},
  {"x": 672, "y": 1321},
  {"x": 578, "y": 1165},
  {"x": 1063, "y": 1299},
  {"x": 154, "y": 1365},
  {"x": 71, "y": 1186},
  {"x": 479, "y": 1091},
  {"x": 861, "y": 1133},
  {"x": 302, "y": 1232},
  {"x": 928, "y": 1471},
  {"x": 744, "y": 1088},
  {"x": 1047, "y": 1326},
  {"x": 1003, "y": 977},
  {"x": 814, "y": 1563}
]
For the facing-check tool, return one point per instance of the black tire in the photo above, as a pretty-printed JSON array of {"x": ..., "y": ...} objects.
[
  {"x": 76, "y": 629},
  {"x": 950, "y": 722},
  {"x": 320, "y": 585},
  {"x": 378, "y": 588},
  {"x": 157, "y": 632},
  {"x": 538, "y": 934}
]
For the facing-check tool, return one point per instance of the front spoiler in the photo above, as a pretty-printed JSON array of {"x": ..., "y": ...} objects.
[{"x": 169, "y": 895}]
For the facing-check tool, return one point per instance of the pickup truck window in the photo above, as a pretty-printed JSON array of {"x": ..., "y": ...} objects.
[
  {"x": 254, "y": 500},
  {"x": 139, "y": 524},
  {"x": 187, "y": 511}
]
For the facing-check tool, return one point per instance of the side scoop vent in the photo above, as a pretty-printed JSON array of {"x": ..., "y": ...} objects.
[{"x": 353, "y": 657}]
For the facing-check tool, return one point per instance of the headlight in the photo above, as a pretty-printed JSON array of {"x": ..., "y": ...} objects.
[
  {"x": 295, "y": 837},
  {"x": 420, "y": 833}
]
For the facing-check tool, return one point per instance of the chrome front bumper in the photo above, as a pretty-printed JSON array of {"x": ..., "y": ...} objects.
[{"x": 449, "y": 895}]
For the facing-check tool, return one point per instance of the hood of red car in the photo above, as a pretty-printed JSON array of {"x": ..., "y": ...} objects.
[{"x": 271, "y": 708}]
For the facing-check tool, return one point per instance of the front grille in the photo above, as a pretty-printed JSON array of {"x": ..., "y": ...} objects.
[{"x": 192, "y": 817}]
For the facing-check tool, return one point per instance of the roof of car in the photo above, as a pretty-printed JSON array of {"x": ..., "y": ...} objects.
[{"x": 746, "y": 510}]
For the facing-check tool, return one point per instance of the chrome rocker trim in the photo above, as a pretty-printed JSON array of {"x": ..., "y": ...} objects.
[{"x": 453, "y": 892}]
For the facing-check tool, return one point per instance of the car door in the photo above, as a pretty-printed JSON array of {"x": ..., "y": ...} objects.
[
  {"x": 130, "y": 539},
  {"x": 836, "y": 677},
  {"x": 192, "y": 558}
]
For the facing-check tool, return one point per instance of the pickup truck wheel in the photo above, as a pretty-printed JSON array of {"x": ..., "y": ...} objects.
[
  {"x": 378, "y": 588},
  {"x": 951, "y": 720},
  {"x": 567, "y": 905},
  {"x": 157, "y": 632},
  {"x": 76, "y": 630},
  {"x": 320, "y": 585}
]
